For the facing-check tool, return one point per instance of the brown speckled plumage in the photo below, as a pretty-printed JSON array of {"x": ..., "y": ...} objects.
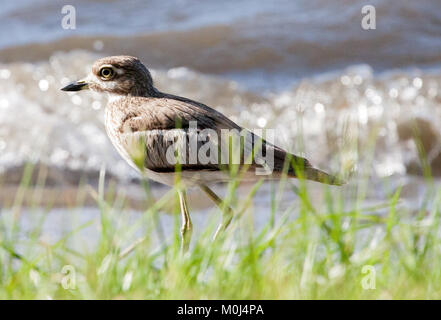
[
  {"x": 143, "y": 123},
  {"x": 143, "y": 112}
]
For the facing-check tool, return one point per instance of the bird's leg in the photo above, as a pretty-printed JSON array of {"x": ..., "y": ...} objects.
[
  {"x": 227, "y": 213},
  {"x": 187, "y": 227}
]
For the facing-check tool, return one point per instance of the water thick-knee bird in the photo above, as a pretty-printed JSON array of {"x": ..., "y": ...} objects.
[{"x": 165, "y": 136}]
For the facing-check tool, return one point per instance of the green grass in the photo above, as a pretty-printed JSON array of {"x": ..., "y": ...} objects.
[{"x": 313, "y": 250}]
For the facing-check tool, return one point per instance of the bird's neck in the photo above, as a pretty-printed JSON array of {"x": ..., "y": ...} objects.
[
  {"x": 114, "y": 97},
  {"x": 146, "y": 91}
]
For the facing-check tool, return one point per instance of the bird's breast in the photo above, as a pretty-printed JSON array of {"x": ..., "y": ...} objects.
[{"x": 113, "y": 121}]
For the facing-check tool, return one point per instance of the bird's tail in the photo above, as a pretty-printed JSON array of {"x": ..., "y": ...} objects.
[
  {"x": 311, "y": 173},
  {"x": 303, "y": 169}
]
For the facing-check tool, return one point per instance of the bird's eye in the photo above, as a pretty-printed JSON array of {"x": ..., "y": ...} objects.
[{"x": 106, "y": 73}]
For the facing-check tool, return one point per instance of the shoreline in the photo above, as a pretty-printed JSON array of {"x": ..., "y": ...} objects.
[{"x": 85, "y": 196}]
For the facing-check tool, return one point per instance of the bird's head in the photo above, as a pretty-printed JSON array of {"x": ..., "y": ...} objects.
[{"x": 119, "y": 75}]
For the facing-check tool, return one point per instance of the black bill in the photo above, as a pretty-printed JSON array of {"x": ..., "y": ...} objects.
[{"x": 75, "y": 86}]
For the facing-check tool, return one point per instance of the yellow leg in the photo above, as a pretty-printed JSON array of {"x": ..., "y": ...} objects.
[
  {"x": 227, "y": 213},
  {"x": 187, "y": 227}
]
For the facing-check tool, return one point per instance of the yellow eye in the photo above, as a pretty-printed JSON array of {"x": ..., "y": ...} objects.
[{"x": 106, "y": 73}]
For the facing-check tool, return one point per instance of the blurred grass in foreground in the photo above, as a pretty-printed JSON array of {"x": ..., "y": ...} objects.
[{"x": 326, "y": 251}]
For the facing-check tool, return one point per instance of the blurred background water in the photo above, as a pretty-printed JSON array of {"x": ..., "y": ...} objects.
[{"x": 304, "y": 68}]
